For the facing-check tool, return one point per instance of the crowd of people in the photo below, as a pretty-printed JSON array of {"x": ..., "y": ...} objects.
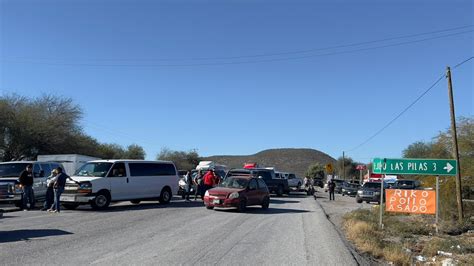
[
  {"x": 201, "y": 182},
  {"x": 55, "y": 183}
]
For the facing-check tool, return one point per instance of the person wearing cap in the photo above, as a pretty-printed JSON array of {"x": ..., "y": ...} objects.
[
  {"x": 26, "y": 183},
  {"x": 48, "y": 203}
]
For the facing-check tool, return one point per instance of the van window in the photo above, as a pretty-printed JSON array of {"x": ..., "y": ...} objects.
[
  {"x": 118, "y": 170},
  {"x": 46, "y": 168},
  {"x": 151, "y": 169},
  {"x": 36, "y": 170}
]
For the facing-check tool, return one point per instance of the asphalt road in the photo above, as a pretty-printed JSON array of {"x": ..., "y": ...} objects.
[{"x": 294, "y": 231}]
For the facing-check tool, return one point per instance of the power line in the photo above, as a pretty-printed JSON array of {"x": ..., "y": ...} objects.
[
  {"x": 406, "y": 109},
  {"x": 242, "y": 62},
  {"x": 462, "y": 63},
  {"x": 288, "y": 52}
]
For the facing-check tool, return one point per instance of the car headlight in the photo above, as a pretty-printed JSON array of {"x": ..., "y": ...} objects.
[
  {"x": 360, "y": 192},
  {"x": 207, "y": 193},
  {"x": 18, "y": 189},
  {"x": 85, "y": 187},
  {"x": 234, "y": 195}
]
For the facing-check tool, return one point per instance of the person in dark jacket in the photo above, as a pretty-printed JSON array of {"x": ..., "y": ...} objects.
[
  {"x": 199, "y": 184},
  {"x": 26, "y": 182},
  {"x": 59, "y": 185},
  {"x": 331, "y": 188},
  {"x": 48, "y": 203}
]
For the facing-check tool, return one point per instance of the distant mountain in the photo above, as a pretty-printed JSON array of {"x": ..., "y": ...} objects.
[{"x": 284, "y": 160}]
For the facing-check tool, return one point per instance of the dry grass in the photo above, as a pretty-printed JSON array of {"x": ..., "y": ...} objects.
[
  {"x": 394, "y": 253},
  {"x": 404, "y": 232}
]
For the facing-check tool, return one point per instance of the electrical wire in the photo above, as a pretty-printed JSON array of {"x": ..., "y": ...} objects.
[
  {"x": 288, "y": 52},
  {"x": 406, "y": 108},
  {"x": 242, "y": 62}
]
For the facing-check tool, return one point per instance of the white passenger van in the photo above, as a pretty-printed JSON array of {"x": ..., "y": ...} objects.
[{"x": 105, "y": 181}]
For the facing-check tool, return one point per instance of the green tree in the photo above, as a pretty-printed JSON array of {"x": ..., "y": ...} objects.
[
  {"x": 315, "y": 170},
  {"x": 134, "y": 151},
  {"x": 182, "y": 159}
]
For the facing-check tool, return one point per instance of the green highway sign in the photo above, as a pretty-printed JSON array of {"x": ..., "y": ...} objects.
[{"x": 415, "y": 166}]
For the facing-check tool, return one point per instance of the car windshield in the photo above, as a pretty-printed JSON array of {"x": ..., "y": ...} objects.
[
  {"x": 349, "y": 185},
  {"x": 234, "y": 183},
  {"x": 94, "y": 169},
  {"x": 12, "y": 169},
  {"x": 405, "y": 183},
  {"x": 372, "y": 185}
]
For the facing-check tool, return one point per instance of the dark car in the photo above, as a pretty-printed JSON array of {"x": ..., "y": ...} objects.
[
  {"x": 318, "y": 182},
  {"x": 275, "y": 185},
  {"x": 407, "y": 184},
  {"x": 238, "y": 192},
  {"x": 339, "y": 183},
  {"x": 369, "y": 192},
  {"x": 350, "y": 189}
]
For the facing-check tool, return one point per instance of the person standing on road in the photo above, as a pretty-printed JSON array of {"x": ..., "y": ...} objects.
[
  {"x": 188, "y": 179},
  {"x": 26, "y": 182},
  {"x": 59, "y": 185},
  {"x": 198, "y": 183},
  {"x": 48, "y": 203},
  {"x": 210, "y": 180},
  {"x": 331, "y": 188}
]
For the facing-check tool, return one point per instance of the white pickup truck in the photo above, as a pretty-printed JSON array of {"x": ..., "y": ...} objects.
[{"x": 293, "y": 180}]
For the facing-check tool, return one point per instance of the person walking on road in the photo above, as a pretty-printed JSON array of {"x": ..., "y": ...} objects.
[
  {"x": 331, "y": 188},
  {"x": 188, "y": 179},
  {"x": 48, "y": 203},
  {"x": 59, "y": 185},
  {"x": 26, "y": 182},
  {"x": 198, "y": 182}
]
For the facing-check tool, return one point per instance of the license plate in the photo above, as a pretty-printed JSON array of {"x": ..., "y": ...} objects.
[
  {"x": 68, "y": 198},
  {"x": 369, "y": 193},
  {"x": 216, "y": 201}
]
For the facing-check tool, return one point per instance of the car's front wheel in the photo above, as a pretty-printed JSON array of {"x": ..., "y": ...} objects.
[
  {"x": 101, "y": 201},
  {"x": 242, "y": 205},
  {"x": 209, "y": 207},
  {"x": 358, "y": 200},
  {"x": 266, "y": 203}
]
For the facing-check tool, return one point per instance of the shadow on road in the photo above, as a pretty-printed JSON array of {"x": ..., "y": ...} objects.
[
  {"x": 28, "y": 234},
  {"x": 259, "y": 210},
  {"x": 282, "y": 201},
  {"x": 146, "y": 206}
]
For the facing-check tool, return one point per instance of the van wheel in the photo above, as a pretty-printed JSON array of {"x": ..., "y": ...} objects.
[
  {"x": 359, "y": 201},
  {"x": 165, "y": 196},
  {"x": 135, "y": 201},
  {"x": 70, "y": 206},
  {"x": 101, "y": 201},
  {"x": 279, "y": 191},
  {"x": 242, "y": 205}
]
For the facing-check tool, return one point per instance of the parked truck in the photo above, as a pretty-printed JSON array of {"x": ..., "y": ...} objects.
[{"x": 70, "y": 162}]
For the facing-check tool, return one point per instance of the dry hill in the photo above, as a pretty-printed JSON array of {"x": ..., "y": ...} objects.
[{"x": 285, "y": 160}]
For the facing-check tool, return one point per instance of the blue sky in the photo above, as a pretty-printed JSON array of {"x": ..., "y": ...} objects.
[{"x": 177, "y": 74}]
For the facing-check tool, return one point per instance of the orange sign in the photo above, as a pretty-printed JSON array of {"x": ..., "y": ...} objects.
[{"x": 410, "y": 201}]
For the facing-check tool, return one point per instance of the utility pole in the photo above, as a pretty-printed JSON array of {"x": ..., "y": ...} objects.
[
  {"x": 455, "y": 146},
  {"x": 343, "y": 166}
]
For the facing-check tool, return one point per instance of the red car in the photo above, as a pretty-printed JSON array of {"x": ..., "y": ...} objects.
[{"x": 239, "y": 192}]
